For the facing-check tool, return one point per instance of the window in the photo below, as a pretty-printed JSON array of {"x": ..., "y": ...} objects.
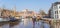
[
  {"x": 59, "y": 11},
  {"x": 59, "y": 7},
  {"x": 56, "y": 12},
  {"x": 57, "y": 16},
  {"x": 55, "y": 7}
]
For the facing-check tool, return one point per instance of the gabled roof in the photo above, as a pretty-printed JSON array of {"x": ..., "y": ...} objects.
[{"x": 56, "y": 3}]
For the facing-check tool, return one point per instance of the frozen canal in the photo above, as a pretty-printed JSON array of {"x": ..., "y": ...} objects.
[{"x": 26, "y": 23}]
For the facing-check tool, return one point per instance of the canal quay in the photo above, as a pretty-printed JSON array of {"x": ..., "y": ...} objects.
[{"x": 29, "y": 23}]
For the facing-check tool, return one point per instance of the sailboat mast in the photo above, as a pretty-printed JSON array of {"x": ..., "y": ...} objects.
[{"x": 14, "y": 10}]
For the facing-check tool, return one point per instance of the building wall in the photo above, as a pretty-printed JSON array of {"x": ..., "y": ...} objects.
[
  {"x": 27, "y": 13},
  {"x": 58, "y": 10},
  {"x": 7, "y": 13},
  {"x": 0, "y": 12},
  {"x": 55, "y": 11}
]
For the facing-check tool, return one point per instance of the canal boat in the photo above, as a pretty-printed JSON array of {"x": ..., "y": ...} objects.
[{"x": 12, "y": 18}]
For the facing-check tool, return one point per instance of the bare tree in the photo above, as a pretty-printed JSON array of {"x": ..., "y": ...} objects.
[{"x": 42, "y": 12}]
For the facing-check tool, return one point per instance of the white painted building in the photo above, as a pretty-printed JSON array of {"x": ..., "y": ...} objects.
[{"x": 55, "y": 10}]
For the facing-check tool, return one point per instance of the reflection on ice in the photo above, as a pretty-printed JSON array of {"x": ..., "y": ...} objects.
[
  {"x": 46, "y": 25},
  {"x": 26, "y": 23}
]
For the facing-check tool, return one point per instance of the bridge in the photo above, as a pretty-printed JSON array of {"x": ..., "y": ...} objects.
[
  {"x": 55, "y": 23},
  {"x": 49, "y": 20}
]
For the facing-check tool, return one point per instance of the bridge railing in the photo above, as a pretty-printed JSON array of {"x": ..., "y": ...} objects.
[{"x": 54, "y": 23}]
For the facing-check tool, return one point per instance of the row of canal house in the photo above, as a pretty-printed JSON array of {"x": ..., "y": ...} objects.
[
  {"x": 24, "y": 13},
  {"x": 7, "y": 13},
  {"x": 28, "y": 13}
]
